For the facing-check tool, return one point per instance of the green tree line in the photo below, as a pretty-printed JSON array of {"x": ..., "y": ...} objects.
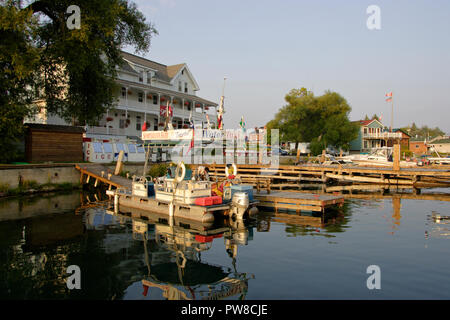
[
  {"x": 72, "y": 70},
  {"x": 321, "y": 120}
]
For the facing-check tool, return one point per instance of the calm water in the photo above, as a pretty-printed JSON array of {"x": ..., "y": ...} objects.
[{"x": 272, "y": 257}]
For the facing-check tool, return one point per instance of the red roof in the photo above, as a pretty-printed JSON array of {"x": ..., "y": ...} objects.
[{"x": 365, "y": 122}]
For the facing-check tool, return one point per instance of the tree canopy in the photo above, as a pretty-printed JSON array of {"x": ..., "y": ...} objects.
[
  {"x": 321, "y": 120},
  {"x": 73, "y": 70},
  {"x": 424, "y": 131}
]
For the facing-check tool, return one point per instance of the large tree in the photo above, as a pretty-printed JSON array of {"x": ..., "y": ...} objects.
[
  {"x": 18, "y": 62},
  {"x": 76, "y": 68},
  {"x": 321, "y": 120}
]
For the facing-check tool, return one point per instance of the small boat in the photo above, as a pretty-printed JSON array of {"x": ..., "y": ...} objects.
[
  {"x": 382, "y": 156},
  {"x": 181, "y": 194}
]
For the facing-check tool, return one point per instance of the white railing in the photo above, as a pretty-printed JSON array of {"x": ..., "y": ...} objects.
[
  {"x": 383, "y": 135},
  {"x": 104, "y": 130}
]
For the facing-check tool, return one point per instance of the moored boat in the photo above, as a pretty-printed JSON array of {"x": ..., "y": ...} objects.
[{"x": 181, "y": 194}]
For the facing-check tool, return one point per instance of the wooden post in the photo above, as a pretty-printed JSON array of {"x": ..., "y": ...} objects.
[
  {"x": 322, "y": 157},
  {"x": 396, "y": 157},
  {"x": 119, "y": 164},
  {"x": 298, "y": 154}
]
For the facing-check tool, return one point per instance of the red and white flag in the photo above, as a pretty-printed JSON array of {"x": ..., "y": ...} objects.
[{"x": 388, "y": 96}]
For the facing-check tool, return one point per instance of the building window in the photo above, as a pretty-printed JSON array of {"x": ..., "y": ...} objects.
[
  {"x": 185, "y": 87},
  {"x": 179, "y": 86},
  {"x": 155, "y": 99},
  {"x": 140, "y": 97},
  {"x": 149, "y": 77},
  {"x": 182, "y": 71},
  {"x": 124, "y": 92},
  {"x": 138, "y": 123},
  {"x": 122, "y": 123},
  {"x": 155, "y": 124},
  {"x": 141, "y": 76}
]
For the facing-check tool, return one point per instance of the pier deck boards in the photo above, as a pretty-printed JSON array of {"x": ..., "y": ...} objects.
[
  {"x": 322, "y": 173},
  {"x": 95, "y": 172},
  {"x": 298, "y": 201}
]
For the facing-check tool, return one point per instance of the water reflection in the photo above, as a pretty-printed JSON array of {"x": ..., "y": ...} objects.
[
  {"x": 173, "y": 257},
  {"x": 439, "y": 226},
  {"x": 139, "y": 255}
]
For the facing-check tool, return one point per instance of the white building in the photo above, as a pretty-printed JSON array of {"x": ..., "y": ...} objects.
[{"x": 146, "y": 88}]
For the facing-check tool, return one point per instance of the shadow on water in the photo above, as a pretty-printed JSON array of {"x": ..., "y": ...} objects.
[{"x": 130, "y": 252}]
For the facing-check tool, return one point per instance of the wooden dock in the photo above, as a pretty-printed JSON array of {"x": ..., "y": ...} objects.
[
  {"x": 278, "y": 200},
  {"x": 297, "y": 201},
  {"x": 289, "y": 175},
  {"x": 101, "y": 174}
]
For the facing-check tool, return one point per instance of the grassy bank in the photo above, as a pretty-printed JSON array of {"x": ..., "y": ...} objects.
[{"x": 27, "y": 187}]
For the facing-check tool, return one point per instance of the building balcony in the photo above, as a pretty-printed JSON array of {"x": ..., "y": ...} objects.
[{"x": 382, "y": 135}]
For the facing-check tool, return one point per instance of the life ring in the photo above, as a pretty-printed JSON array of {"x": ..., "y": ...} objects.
[
  {"x": 178, "y": 177},
  {"x": 227, "y": 173}
]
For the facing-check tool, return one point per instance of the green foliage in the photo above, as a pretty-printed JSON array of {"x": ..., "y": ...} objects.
[
  {"x": 423, "y": 132},
  {"x": 18, "y": 61},
  {"x": 80, "y": 64},
  {"x": 4, "y": 187},
  {"x": 31, "y": 186},
  {"x": 72, "y": 71},
  {"x": 320, "y": 120},
  {"x": 407, "y": 153},
  {"x": 158, "y": 170}
]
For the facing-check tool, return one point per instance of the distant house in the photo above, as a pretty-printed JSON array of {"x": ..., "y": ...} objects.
[
  {"x": 418, "y": 146},
  {"x": 373, "y": 134},
  {"x": 404, "y": 141}
]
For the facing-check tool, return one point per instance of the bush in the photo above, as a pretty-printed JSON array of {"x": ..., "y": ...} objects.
[{"x": 158, "y": 170}]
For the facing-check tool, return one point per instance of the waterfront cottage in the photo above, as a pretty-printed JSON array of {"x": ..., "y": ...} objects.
[
  {"x": 146, "y": 87},
  {"x": 373, "y": 134}
]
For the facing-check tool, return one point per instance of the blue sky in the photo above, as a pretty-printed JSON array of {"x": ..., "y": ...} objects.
[{"x": 266, "y": 48}]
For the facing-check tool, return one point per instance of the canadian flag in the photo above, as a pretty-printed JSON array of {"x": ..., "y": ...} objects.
[{"x": 388, "y": 96}]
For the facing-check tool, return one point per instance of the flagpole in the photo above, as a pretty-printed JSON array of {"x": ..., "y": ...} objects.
[{"x": 392, "y": 114}]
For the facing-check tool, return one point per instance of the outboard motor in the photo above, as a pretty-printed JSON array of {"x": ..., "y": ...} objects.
[{"x": 240, "y": 203}]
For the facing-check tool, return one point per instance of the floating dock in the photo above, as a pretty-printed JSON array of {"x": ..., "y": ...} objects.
[{"x": 298, "y": 201}]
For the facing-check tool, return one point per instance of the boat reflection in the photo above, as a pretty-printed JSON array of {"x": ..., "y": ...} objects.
[
  {"x": 173, "y": 256},
  {"x": 439, "y": 225}
]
